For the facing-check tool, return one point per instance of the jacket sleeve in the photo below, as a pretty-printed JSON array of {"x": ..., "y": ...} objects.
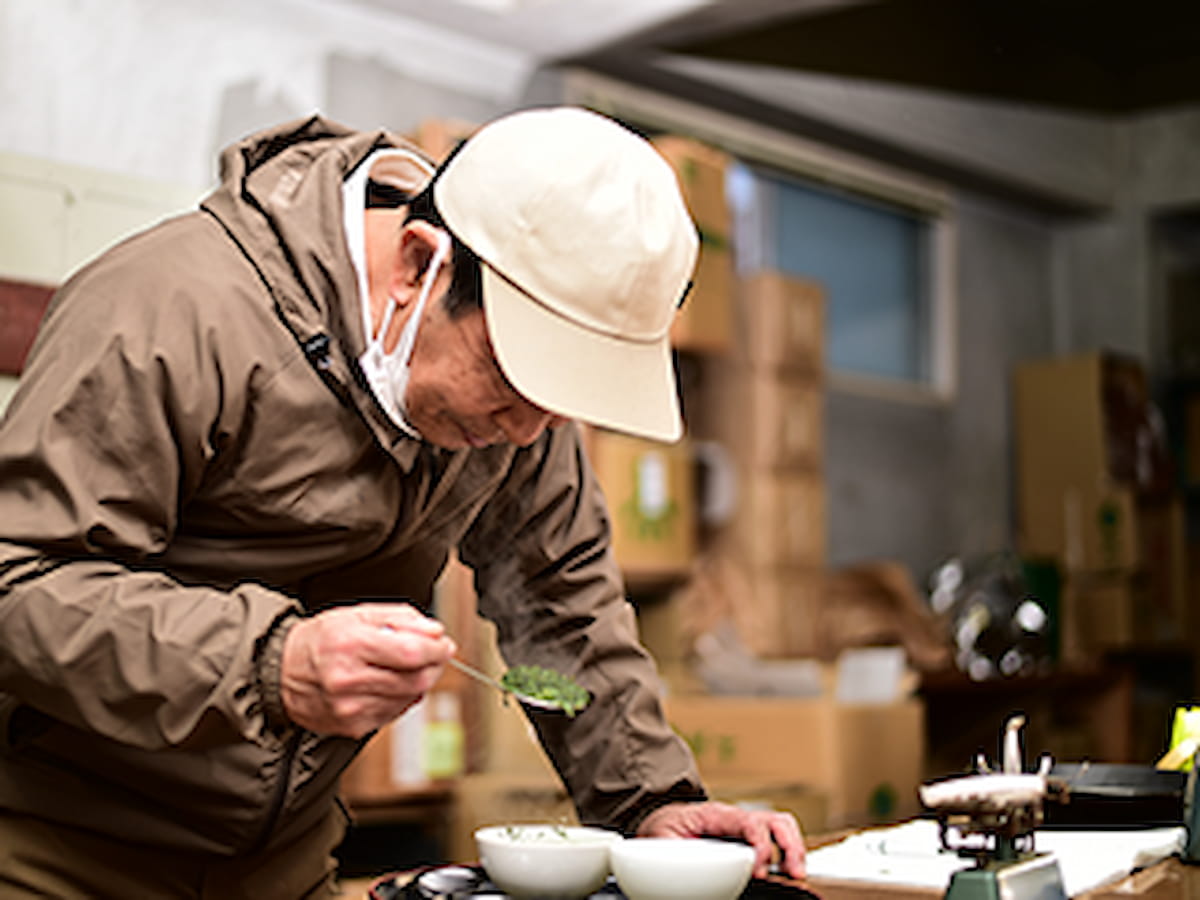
[
  {"x": 105, "y": 438},
  {"x": 546, "y": 576}
]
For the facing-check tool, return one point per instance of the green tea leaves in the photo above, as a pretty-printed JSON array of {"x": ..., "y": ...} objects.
[{"x": 548, "y": 686}]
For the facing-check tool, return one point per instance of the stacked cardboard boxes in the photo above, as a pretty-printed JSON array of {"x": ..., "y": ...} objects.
[
  {"x": 1095, "y": 495},
  {"x": 765, "y": 404},
  {"x": 439, "y": 137},
  {"x": 704, "y": 322}
]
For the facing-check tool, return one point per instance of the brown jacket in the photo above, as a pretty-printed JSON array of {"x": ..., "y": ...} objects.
[{"x": 191, "y": 461}]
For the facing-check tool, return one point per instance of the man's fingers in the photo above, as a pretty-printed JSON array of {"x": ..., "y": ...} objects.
[
  {"x": 368, "y": 680},
  {"x": 399, "y": 617},
  {"x": 402, "y": 649},
  {"x": 758, "y": 833},
  {"x": 350, "y": 669},
  {"x": 785, "y": 833}
]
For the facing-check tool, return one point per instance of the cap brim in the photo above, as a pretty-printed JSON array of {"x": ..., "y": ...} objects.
[{"x": 579, "y": 373}]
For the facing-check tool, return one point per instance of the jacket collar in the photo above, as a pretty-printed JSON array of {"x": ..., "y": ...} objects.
[{"x": 280, "y": 198}]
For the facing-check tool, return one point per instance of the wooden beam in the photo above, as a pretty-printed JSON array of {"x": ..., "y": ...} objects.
[{"x": 22, "y": 305}]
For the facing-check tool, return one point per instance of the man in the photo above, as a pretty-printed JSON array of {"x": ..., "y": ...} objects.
[{"x": 239, "y": 429}]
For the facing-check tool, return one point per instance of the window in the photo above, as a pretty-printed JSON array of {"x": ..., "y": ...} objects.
[{"x": 872, "y": 258}]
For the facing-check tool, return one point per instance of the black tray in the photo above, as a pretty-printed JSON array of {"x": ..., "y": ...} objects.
[
  {"x": 1116, "y": 795},
  {"x": 463, "y": 882}
]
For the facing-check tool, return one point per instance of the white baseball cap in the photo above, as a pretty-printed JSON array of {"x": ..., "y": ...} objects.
[{"x": 587, "y": 249}]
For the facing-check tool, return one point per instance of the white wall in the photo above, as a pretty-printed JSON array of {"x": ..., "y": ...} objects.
[
  {"x": 114, "y": 111},
  {"x": 145, "y": 87}
]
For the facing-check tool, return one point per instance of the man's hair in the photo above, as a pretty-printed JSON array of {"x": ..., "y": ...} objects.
[{"x": 465, "y": 294}]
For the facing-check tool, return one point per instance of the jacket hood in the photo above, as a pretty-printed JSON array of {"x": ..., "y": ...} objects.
[{"x": 280, "y": 199}]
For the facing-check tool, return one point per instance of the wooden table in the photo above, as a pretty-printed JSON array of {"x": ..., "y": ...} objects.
[{"x": 1167, "y": 880}]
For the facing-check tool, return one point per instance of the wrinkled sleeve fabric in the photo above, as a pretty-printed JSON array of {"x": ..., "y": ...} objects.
[
  {"x": 546, "y": 576},
  {"x": 109, "y": 433}
]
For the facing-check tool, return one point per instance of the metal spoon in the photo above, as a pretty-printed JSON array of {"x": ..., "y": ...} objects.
[
  {"x": 531, "y": 702},
  {"x": 534, "y": 702}
]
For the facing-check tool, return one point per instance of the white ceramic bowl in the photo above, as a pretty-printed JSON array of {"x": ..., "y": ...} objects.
[
  {"x": 546, "y": 862},
  {"x": 681, "y": 868}
]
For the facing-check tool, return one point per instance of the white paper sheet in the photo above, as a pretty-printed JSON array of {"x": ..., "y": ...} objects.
[{"x": 911, "y": 854}]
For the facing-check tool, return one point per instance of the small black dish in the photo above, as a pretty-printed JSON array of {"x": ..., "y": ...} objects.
[{"x": 464, "y": 882}]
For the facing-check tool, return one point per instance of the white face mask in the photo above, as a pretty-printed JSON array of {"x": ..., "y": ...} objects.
[{"x": 387, "y": 373}]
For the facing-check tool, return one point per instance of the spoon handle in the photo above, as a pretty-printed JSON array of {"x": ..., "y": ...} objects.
[
  {"x": 477, "y": 675},
  {"x": 523, "y": 699}
]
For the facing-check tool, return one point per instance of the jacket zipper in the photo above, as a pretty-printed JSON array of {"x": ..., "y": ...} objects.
[{"x": 281, "y": 790}]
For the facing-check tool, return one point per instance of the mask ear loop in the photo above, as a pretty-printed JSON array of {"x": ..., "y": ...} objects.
[
  {"x": 409, "y": 338},
  {"x": 440, "y": 254}
]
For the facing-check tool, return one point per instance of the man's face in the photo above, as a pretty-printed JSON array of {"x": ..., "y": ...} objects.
[{"x": 457, "y": 396}]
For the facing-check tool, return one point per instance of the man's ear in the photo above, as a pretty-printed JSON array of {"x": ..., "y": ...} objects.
[{"x": 414, "y": 251}]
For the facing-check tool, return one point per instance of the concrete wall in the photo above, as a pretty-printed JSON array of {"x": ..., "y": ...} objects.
[
  {"x": 922, "y": 482},
  {"x": 1108, "y": 263},
  {"x": 1066, "y": 157}
]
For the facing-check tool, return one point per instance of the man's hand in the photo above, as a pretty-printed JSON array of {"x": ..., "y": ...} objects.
[
  {"x": 351, "y": 669},
  {"x": 762, "y": 829}
]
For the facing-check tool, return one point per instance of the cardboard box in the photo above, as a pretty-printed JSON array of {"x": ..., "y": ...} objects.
[
  {"x": 1143, "y": 607},
  {"x": 767, "y": 420},
  {"x": 438, "y": 137},
  {"x": 651, "y": 498},
  {"x": 1162, "y": 530},
  {"x": 774, "y": 612},
  {"x": 1083, "y": 529},
  {"x": 809, "y": 805},
  {"x": 1081, "y": 417},
  {"x": 1099, "y": 614},
  {"x": 867, "y": 759},
  {"x": 781, "y": 519},
  {"x": 880, "y": 604},
  {"x": 705, "y": 322},
  {"x": 422, "y": 749},
  {"x": 1082, "y": 431},
  {"x": 782, "y": 322},
  {"x": 778, "y": 615}
]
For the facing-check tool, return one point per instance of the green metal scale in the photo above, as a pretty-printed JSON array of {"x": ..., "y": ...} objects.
[
  {"x": 1008, "y": 874},
  {"x": 992, "y": 817}
]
